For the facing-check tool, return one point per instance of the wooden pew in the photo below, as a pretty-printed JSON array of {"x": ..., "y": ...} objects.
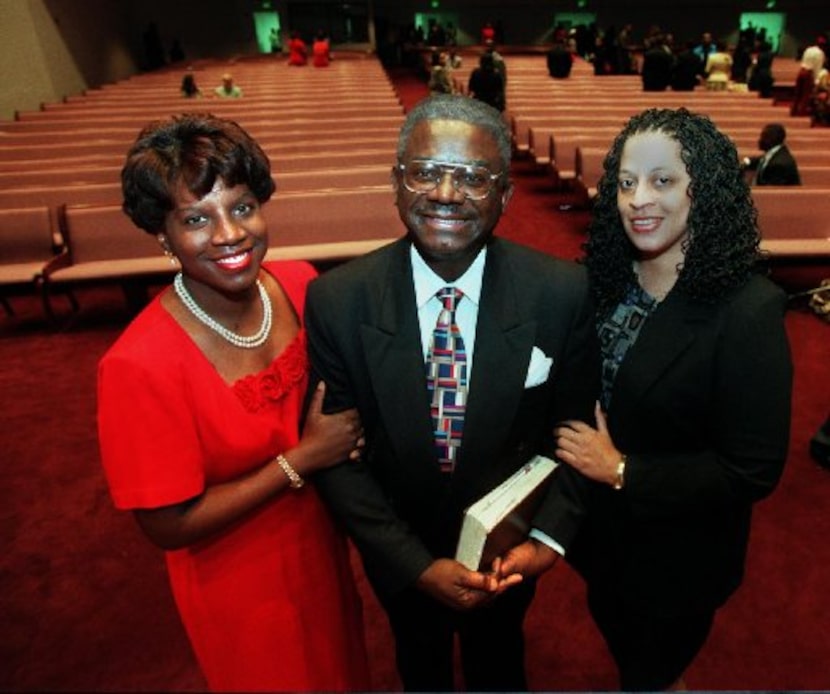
[
  {"x": 25, "y": 247},
  {"x": 815, "y": 176},
  {"x": 324, "y": 227},
  {"x": 794, "y": 221}
]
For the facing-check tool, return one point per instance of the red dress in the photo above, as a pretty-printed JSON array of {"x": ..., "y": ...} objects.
[
  {"x": 270, "y": 604},
  {"x": 297, "y": 51},
  {"x": 320, "y": 52}
]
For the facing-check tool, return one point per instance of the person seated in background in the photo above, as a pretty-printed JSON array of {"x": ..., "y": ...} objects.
[
  {"x": 718, "y": 68},
  {"x": 189, "y": 89},
  {"x": 320, "y": 50},
  {"x": 228, "y": 90},
  {"x": 440, "y": 76},
  {"x": 811, "y": 75},
  {"x": 297, "y": 50},
  {"x": 486, "y": 83},
  {"x": 560, "y": 60},
  {"x": 776, "y": 166}
]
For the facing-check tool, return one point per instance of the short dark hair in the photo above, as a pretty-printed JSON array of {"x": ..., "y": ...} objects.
[
  {"x": 722, "y": 249},
  {"x": 193, "y": 150},
  {"x": 460, "y": 108},
  {"x": 777, "y": 133}
]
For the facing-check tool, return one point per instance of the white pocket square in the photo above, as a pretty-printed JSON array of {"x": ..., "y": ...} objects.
[{"x": 538, "y": 369}]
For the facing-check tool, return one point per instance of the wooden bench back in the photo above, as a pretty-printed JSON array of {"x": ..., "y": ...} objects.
[
  {"x": 25, "y": 235},
  {"x": 793, "y": 212}
]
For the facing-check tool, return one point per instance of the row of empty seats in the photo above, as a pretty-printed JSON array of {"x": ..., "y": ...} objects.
[{"x": 330, "y": 135}]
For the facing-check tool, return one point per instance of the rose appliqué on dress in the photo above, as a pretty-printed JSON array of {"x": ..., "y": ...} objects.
[{"x": 273, "y": 383}]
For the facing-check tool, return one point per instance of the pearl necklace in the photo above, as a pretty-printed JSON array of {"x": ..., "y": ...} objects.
[{"x": 250, "y": 342}]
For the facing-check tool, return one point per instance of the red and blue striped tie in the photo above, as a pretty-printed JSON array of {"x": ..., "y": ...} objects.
[{"x": 447, "y": 379}]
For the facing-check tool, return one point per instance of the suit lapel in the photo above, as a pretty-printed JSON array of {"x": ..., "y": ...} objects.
[
  {"x": 393, "y": 352},
  {"x": 504, "y": 341},
  {"x": 667, "y": 334}
]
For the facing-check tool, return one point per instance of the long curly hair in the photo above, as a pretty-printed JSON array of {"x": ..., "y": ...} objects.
[{"x": 722, "y": 248}]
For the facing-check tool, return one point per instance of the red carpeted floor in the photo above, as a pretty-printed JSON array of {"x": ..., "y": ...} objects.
[{"x": 83, "y": 596}]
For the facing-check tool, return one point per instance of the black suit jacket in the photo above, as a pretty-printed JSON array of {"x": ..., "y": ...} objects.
[
  {"x": 701, "y": 405},
  {"x": 781, "y": 170},
  {"x": 364, "y": 342},
  {"x": 658, "y": 66}
]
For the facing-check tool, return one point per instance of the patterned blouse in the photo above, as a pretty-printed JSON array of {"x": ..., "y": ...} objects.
[{"x": 618, "y": 331}]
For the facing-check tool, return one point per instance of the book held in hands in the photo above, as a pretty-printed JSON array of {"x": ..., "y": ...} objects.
[{"x": 501, "y": 518}]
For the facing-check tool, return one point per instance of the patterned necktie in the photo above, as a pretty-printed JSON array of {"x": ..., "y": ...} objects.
[{"x": 447, "y": 379}]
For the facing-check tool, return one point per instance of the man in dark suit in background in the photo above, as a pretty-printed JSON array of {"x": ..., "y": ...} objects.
[
  {"x": 560, "y": 60},
  {"x": 527, "y": 326},
  {"x": 658, "y": 65},
  {"x": 776, "y": 166}
]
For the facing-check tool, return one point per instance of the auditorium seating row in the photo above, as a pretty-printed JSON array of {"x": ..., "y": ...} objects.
[
  {"x": 331, "y": 143},
  {"x": 102, "y": 243},
  {"x": 567, "y": 127}
]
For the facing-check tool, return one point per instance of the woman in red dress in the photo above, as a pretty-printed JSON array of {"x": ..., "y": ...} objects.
[
  {"x": 199, "y": 409},
  {"x": 321, "y": 50},
  {"x": 297, "y": 50}
]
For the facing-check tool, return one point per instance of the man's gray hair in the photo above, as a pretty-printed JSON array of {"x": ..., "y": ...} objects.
[{"x": 459, "y": 108}]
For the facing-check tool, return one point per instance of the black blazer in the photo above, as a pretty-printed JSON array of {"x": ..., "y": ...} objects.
[
  {"x": 701, "y": 406},
  {"x": 781, "y": 170},
  {"x": 364, "y": 342}
]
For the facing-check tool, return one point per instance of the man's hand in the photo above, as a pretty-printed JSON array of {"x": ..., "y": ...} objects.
[
  {"x": 530, "y": 558},
  {"x": 454, "y": 585}
]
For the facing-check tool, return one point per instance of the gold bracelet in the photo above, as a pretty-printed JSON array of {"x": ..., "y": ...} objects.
[
  {"x": 293, "y": 478},
  {"x": 619, "y": 482}
]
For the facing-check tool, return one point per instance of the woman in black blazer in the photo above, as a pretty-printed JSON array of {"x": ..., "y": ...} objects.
[{"x": 693, "y": 423}]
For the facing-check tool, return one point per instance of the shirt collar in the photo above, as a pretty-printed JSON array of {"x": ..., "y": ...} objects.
[
  {"x": 770, "y": 153},
  {"x": 427, "y": 283}
]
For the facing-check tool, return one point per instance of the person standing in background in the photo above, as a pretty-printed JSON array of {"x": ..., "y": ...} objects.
[{"x": 486, "y": 83}]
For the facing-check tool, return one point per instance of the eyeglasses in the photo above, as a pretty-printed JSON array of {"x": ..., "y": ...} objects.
[{"x": 422, "y": 177}]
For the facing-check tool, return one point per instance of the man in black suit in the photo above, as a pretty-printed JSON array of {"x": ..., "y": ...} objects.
[
  {"x": 658, "y": 65},
  {"x": 560, "y": 60},
  {"x": 527, "y": 323},
  {"x": 776, "y": 167}
]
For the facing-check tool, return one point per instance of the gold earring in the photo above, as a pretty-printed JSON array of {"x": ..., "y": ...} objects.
[{"x": 162, "y": 239}]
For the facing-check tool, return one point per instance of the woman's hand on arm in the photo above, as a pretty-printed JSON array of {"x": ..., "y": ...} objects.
[
  {"x": 591, "y": 451},
  {"x": 326, "y": 441}
]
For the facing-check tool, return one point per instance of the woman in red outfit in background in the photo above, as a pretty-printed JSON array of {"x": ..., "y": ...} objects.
[
  {"x": 199, "y": 409},
  {"x": 321, "y": 50},
  {"x": 297, "y": 50}
]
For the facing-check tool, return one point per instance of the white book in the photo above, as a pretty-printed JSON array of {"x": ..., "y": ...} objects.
[{"x": 501, "y": 518}]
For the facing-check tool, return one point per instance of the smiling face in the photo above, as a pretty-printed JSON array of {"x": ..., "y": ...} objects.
[
  {"x": 447, "y": 228},
  {"x": 652, "y": 195},
  {"x": 219, "y": 239}
]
